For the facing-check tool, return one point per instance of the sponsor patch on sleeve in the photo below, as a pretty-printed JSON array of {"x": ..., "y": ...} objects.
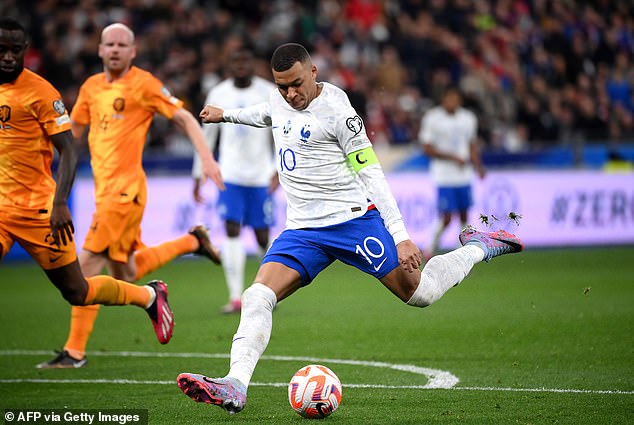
[{"x": 64, "y": 119}]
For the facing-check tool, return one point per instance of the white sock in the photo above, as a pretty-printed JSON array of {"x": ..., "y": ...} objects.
[
  {"x": 254, "y": 331},
  {"x": 234, "y": 258},
  {"x": 433, "y": 246},
  {"x": 442, "y": 272},
  {"x": 152, "y": 296}
]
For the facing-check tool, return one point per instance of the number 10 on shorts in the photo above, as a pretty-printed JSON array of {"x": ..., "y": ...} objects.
[{"x": 372, "y": 247}]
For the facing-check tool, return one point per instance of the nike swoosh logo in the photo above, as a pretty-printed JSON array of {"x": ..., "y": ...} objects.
[
  {"x": 79, "y": 363},
  {"x": 376, "y": 268},
  {"x": 211, "y": 381},
  {"x": 54, "y": 255}
]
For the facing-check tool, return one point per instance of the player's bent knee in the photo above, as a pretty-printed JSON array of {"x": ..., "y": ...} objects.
[
  {"x": 401, "y": 283},
  {"x": 76, "y": 297},
  {"x": 419, "y": 301},
  {"x": 70, "y": 282},
  {"x": 259, "y": 294},
  {"x": 427, "y": 291},
  {"x": 423, "y": 296}
]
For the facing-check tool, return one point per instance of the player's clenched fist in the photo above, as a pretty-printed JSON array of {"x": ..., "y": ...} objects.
[{"x": 211, "y": 113}]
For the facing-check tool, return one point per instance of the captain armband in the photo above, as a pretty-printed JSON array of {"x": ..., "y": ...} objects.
[{"x": 362, "y": 158}]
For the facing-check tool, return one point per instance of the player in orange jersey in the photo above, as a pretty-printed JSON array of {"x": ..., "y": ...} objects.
[
  {"x": 33, "y": 207},
  {"x": 118, "y": 104}
]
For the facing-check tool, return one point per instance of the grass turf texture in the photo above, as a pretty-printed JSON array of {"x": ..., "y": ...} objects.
[{"x": 554, "y": 319}]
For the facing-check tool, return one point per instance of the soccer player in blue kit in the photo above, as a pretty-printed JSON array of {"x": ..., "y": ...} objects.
[
  {"x": 339, "y": 207},
  {"x": 245, "y": 155}
]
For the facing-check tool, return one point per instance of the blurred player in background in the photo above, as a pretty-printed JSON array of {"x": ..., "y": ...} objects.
[
  {"x": 448, "y": 135},
  {"x": 246, "y": 162},
  {"x": 329, "y": 172},
  {"x": 119, "y": 104},
  {"x": 33, "y": 207}
]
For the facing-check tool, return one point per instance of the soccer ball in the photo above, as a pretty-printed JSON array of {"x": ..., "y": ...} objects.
[{"x": 314, "y": 391}]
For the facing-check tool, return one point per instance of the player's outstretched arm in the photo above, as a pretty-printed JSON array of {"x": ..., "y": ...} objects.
[
  {"x": 62, "y": 227},
  {"x": 210, "y": 168},
  {"x": 258, "y": 115},
  {"x": 211, "y": 114}
]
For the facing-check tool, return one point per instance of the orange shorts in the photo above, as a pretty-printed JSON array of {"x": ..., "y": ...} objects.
[
  {"x": 32, "y": 230},
  {"x": 115, "y": 228}
]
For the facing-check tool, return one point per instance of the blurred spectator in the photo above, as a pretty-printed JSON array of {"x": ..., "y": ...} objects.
[
  {"x": 538, "y": 69},
  {"x": 619, "y": 83},
  {"x": 588, "y": 122},
  {"x": 535, "y": 122},
  {"x": 391, "y": 76}
]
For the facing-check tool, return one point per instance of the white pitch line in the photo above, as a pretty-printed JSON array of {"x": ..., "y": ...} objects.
[
  {"x": 438, "y": 379},
  {"x": 435, "y": 378},
  {"x": 284, "y": 385},
  {"x": 546, "y": 390}
]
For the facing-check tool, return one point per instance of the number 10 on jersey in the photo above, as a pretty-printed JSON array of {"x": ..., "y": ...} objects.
[{"x": 287, "y": 159}]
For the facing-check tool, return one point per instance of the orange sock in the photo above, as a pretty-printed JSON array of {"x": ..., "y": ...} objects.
[
  {"x": 109, "y": 291},
  {"x": 81, "y": 323},
  {"x": 151, "y": 258}
]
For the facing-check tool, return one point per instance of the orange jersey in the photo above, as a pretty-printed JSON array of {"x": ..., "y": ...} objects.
[
  {"x": 31, "y": 110},
  {"x": 119, "y": 115}
]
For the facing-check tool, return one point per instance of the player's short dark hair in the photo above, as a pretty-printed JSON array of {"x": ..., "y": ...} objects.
[
  {"x": 9, "y": 24},
  {"x": 246, "y": 46},
  {"x": 452, "y": 88},
  {"x": 245, "y": 50},
  {"x": 285, "y": 56}
]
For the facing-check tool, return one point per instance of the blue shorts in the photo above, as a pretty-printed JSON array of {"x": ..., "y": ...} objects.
[
  {"x": 363, "y": 242},
  {"x": 454, "y": 199},
  {"x": 247, "y": 205}
]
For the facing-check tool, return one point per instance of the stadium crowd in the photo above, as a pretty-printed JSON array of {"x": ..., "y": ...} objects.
[{"x": 536, "y": 72}]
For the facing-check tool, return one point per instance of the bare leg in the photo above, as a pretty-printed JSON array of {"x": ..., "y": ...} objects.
[{"x": 443, "y": 222}]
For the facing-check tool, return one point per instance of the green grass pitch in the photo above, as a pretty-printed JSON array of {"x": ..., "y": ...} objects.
[{"x": 542, "y": 337}]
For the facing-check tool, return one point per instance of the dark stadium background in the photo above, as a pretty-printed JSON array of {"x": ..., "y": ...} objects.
[{"x": 550, "y": 81}]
